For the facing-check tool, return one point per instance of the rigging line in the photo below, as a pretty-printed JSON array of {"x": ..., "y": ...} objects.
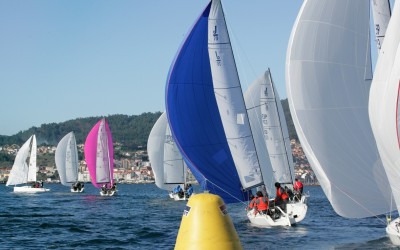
[
  {"x": 256, "y": 106},
  {"x": 366, "y": 209},
  {"x": 207, "y": 180}
]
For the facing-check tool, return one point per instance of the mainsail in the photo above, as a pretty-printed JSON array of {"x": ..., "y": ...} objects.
[
  {"x": 99, "y": 154},
  {"x": 328, "y": 79},
  {"x": 229, "y": 96},
  {"x": 19, "y": 171},
  {"x": 276, "y": 134},
  {"x": 67, "y": 159}
]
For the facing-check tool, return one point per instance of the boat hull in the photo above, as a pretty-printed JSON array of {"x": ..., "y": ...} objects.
[
  {"x": 108, "y": 192},
  {"x": 29, "y": 189},
  {"x": 296, "y": 212},
  {"x": 77, "y": 190},
  {"x": 177, "y": 198},
  {"x": 393, "y": 231}
]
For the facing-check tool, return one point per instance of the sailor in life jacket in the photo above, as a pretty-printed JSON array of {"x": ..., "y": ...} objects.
[
  {"x": 261, "y": 203},
  {"x": 252, "y": 202},
  {"x": 281, "y": 197},
  {"x": 298, "y": 186}
]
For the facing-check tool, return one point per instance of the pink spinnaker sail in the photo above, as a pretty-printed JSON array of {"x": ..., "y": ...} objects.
[{"x": 99, "y": 154}]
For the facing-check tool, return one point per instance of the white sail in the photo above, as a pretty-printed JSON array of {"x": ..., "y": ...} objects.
[
  {"x": 384, "y": 103},
  {"x": 32, "y": 161},
  {"x": 276, "y": 134},
  {"x": 327, "y": 71},
  {"x": 252, "y": 99},
  {"x": 158, "y": 154},
  {"x": 102, "y": 156},
  {"x": 19, "y": 171},
  {"x": 174, "y": 165},
  {"x": 67, "y": 159},
  {"x": 230, "y": 101},
  {"x": 381, "y": 13}
]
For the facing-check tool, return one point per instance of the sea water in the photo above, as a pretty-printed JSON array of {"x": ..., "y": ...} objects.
[{"x": 142, "y": 216}]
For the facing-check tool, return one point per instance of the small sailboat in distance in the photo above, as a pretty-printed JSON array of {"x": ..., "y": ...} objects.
[
  {"x": 67, "y": 163},
  {"x": 99, "y": 155},
  {"x": 23, "y": 172},
  {"x": 166, "y": 161}
]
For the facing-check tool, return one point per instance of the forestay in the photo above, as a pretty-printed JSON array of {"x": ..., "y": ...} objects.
[{"x": 328, "y": 72}]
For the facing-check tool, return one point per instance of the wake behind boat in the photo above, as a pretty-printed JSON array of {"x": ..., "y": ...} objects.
[
  {"x": 23, "y": 172},
  {"x": 99, "y": 155}
]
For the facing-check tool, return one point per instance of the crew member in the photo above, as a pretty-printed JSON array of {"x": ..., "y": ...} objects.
[{"x": 281, "y": 197}]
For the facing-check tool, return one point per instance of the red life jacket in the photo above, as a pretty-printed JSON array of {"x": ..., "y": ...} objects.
[
  {"x": 297, "y": 185},
  {"x": 261, "y": 204},
  {"x": 252, "y": 202},
  {"x": 282, "y": 194}
]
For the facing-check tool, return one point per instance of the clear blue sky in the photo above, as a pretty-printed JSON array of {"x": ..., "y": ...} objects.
[{"x": 64, "y": 59}]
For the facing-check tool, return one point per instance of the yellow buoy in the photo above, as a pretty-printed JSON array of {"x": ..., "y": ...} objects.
[{"x": 206, "y": 225}]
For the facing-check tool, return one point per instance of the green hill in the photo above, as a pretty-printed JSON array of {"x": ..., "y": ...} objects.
[{"x": 131, "y": 131}]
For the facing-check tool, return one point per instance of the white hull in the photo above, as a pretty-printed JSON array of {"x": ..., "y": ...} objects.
[
  {"x": 29, "y": 189},
  {"x": 296, "y": 212},
  {"x": 177, "y": 198},
  {"x": 108, "y": 193},
  {"x": 77, "y": 190},
  {"x": 171, "y": 195},
  {"x": 393, "y": 231}
]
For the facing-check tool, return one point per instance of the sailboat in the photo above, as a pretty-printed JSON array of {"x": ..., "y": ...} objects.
[
  {"x": 328, "y": 77},
  {"x": 268, "y": 118},
  {"x": 207, "y": 113},
  {"x": 23, "y": 172},
  {"x": 99, "y": 155},
  {"x": 384, "y": 112},
  {"x": 67, "y": 162},
  {"x": 166, "y": 161}
]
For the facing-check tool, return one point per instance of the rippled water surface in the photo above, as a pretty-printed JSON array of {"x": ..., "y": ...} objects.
[{"x": 144, "y": 217}]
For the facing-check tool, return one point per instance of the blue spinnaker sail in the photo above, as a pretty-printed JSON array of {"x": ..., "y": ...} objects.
[{"x": 194, "y": 117}]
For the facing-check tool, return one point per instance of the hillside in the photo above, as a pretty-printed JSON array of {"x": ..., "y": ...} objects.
[{"x": 131, "y": 131}]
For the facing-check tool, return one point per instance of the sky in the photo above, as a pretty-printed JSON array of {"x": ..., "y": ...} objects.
[{"x": 66, "y": 59}]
